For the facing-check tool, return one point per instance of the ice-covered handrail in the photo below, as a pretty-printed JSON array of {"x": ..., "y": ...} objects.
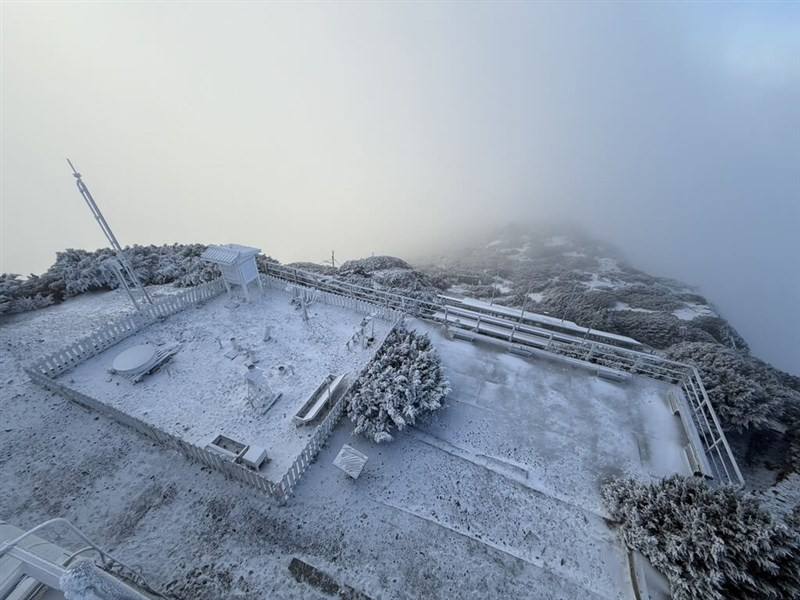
[{"x": 703, "y": 416}]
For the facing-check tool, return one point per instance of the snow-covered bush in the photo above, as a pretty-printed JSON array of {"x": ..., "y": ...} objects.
[
  {"x": 79, "y": 271},
  {"x": 746, "y": 392},
  {"x": 711, "y": 544},
  {"x": 374, "y": 263},
  {"x": 649, "y": 297},
  {"x": 404, "y": 380},
  {"x": 313, "y": 268}
]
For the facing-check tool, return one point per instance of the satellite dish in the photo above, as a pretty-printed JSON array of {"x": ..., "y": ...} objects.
[{"x": 134, "y": 360}]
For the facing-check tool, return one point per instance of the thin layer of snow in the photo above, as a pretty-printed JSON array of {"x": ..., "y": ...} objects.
[
  {"x": 608, "y": 265},
  {"x": 536, "y": 296},
  {"x": 457, "y": 289},
  {"x": 202, "y": 393},
  {"x": 496, "y": 496},
  {"x": 84, "y": 581},
  {"x": 626, "y": 306},
  {"x": 783, "y": 496},
  {"x": 504, "y": 286},
  {"x": 601, "y": 283},
  {"x": 692, "y": 311}
]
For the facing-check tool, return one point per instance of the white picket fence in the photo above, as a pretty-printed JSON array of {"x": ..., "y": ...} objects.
[
  {"x": 111, "y": 333},
  {"x": 46, "y": 370},
  {"x": 213, "y": 460},
  {"x": 323, "y": 431}
]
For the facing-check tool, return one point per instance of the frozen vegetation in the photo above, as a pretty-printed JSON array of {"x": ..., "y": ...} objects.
[
  {"x": 712, "y": 544},
  {"x": 709, "y": 543},
  {"x": 493, "y": 495},
  {"x": 570, "y": 276},
  {"x": 403, "y": 382},
  {"x": 79, "y": 271}
]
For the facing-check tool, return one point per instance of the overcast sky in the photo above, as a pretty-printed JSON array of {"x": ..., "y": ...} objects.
[{"x": 672, "y": 130}]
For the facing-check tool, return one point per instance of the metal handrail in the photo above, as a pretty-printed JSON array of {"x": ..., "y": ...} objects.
[{"x": 711, "y": 434}]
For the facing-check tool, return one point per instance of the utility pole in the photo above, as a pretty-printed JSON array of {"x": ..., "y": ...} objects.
[
  {"x": 333, "y": 260},
  {"x": 126, "y": 269}
]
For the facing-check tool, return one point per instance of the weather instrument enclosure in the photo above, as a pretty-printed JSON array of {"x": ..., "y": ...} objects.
[{"x": 237, "y": 263}]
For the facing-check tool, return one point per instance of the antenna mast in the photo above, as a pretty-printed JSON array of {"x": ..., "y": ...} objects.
[{"x": 126, "y": 268}]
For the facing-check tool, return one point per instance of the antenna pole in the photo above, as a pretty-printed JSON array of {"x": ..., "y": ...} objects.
[{"x": 106, "y": 228}]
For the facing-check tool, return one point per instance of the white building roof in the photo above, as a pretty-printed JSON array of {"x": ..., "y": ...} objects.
[{"x": 229, "y": 254}]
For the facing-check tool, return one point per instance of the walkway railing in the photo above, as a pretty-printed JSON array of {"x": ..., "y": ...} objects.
[{"x": 702, "y": 418}]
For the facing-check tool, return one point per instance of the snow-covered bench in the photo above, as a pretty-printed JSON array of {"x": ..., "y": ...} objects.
[{"x": 320, "y": 399}]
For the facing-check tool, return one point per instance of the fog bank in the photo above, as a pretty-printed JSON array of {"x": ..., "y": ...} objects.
[{"x": 670, "y": 130}]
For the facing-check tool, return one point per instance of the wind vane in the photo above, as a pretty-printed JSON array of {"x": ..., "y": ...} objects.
[{"x": 119, "y": 265}]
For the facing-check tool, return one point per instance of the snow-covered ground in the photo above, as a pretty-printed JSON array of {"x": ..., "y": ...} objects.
[
  {"x": 691, "y": 311},
  {"x": 202, "y": 392},
  {"x": 626, "y": 306},
  {"x": 495, "y": 496},
  {"x": 504, "y": 286},
  {"x": 601, "y": 283}
]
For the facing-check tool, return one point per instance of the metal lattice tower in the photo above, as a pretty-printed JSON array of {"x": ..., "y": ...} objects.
[{"x": 123, "y": 270}]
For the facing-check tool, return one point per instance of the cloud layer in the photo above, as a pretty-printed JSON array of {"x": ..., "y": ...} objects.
[{"x": 671, "y": 130}]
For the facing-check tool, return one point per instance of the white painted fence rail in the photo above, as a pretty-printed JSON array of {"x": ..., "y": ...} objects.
[
  {"x": 388, "y": 306},
  {"x": 58, "y": 362},
  {"x": 46, "y": 370}
]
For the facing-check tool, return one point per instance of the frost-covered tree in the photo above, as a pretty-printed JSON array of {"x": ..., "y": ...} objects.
[
  {"x": 746, "y": 392},
  {"x": 388, "y": 273},
  {"x": 404, "y": 380},
  {"x": 79, "y": 271},
  {"x": 711, "y": 544}
]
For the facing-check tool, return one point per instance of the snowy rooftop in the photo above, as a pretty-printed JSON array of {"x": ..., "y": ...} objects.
[
  {"x": 228, "y": 254},
  {"x": 496, "y": 496},
  {"x": 202, "y": 391}
]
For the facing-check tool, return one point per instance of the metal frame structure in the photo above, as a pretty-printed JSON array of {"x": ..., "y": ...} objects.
[{"x": 121, "y": 267}]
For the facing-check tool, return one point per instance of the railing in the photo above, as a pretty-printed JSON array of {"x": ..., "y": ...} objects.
[
  {"x": 390, "y": 306},
  {"x": 383, "y": 311},
  {"x": 45, "y": 371},
  {"x": 404, "y": 304},
  {"x": 56, "y": 363},
  {"x": 323, "y": 431},
  {"x": 703, "y": 418}
]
